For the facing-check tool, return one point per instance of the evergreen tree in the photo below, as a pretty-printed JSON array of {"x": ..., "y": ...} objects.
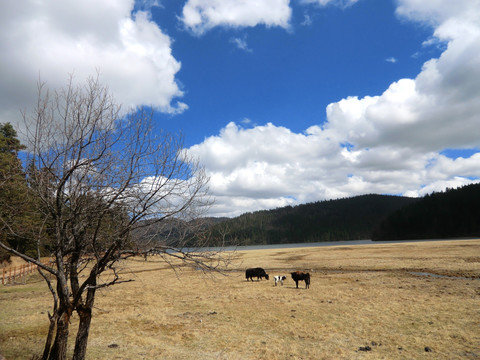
[
  {"x": 13, "y": 189},
  {"x": 333, "y": 220},
  {"x": 449, "y": 214}
]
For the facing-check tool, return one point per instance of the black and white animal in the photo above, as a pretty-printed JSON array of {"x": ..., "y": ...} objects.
[
  {"x": 279, "y": 279},
  {"x": 299, "y": 276},
  {"x": 259, "y": 273}
]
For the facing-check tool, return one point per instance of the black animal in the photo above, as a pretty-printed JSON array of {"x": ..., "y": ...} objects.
[
  {"x": 299, "y": 276},
  {"x": 255, "y": 272}
]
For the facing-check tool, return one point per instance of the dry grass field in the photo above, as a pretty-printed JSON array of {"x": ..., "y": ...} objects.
[{"x": 365, "y": 302}]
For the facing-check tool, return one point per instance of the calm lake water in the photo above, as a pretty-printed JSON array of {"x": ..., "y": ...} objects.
[{"x": 316, "y": 244}]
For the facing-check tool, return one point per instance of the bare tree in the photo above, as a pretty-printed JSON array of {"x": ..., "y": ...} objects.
[{"x": 100, "y": 180}]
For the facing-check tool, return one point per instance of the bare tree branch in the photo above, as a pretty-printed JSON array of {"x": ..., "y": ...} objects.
[{"x": 108, "y": 186}]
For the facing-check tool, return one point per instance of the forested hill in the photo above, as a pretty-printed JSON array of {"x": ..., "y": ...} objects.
[
  {"x": 333, "y": 220},
  {"x": 453, "y": 213}
]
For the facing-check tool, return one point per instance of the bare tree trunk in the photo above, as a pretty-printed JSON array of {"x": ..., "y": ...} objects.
[
  {"x": 59, "y": 350},
  {"x": 52, "y": 318},
  {"x": 85, "y": 314},
  {"x": 48, "y": 344}
]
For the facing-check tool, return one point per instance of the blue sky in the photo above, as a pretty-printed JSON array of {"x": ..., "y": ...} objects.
[
  {"x": 289, "y": 76},
  {"x": 283, "y": 102}
]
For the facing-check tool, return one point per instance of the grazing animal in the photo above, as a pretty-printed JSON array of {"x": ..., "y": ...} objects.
[
  {"x": 299, "y": 276},
  {"x": 279, "y": 279},
  {"x": 255, "y": 272}
]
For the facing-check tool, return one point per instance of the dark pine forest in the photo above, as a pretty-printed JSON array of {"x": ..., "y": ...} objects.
[
  {"x": 454, "y": 213},
  {"x": 450, "y": 214},
  {"x": 333, "y": 220}
]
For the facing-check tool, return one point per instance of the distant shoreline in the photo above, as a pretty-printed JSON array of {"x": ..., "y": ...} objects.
[{"x": 325, "y": 243}]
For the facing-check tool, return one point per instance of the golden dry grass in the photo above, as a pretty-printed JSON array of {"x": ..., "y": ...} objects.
[{"x": 360, "y": 296}]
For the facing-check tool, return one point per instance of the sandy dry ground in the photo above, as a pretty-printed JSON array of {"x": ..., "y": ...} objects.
[{"x": 365, "y": 302}]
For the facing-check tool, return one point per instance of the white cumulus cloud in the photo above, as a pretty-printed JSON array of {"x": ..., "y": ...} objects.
[
  {"x": 383, "y": 143},
  {"x": 202, "y": 15},
  {"x": 436, "y": 110},
  {"x": 50, "y": 40}
]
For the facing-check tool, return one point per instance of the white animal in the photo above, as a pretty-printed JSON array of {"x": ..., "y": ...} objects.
[{"x": 280, "y": 279}]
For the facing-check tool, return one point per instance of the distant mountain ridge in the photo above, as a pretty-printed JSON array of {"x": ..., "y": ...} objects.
[
  {"x": 450, "y": 214},
  {"x": 332, "y": 220},
  {"x": 454, "y": 213}
]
